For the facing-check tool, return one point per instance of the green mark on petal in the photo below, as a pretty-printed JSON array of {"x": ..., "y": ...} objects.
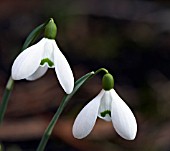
[
  {"x": 103, "y": 114},
  {"x": 46, "y": 60}
]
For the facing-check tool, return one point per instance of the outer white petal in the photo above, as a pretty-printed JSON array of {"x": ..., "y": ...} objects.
[
  {"x": 63, "y": 70},
  {"x": 86, "y": 119},
  {"x": 28, "y": 61},
  {"x": 38, "y": 73},
  {"x": 123, "y": 119}
]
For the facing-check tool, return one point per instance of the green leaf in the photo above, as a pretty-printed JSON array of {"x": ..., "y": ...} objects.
[
  {"x": 33, "y": 35},
  {"x": 65, "y": 100},
  {"x": 78, "y": 84}
]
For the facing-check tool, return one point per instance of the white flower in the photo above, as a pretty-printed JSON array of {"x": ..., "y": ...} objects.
[
  {"x": 108, "y": 106},
  {"x": 33, "y": 63}
]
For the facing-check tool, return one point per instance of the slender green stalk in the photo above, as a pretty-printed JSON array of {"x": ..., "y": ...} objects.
[
  {"x": 5, "y": 98},
  {"x": 50, "y": 127},
  {"x": 101, "y": 69},
  {"x": 65, "y": 100},
  {"x": 0, "y": 147}
]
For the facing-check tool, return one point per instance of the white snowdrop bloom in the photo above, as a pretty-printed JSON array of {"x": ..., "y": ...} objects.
[
  {"x": 108, "y": 106},
  {"x": 34, "y": 61}
]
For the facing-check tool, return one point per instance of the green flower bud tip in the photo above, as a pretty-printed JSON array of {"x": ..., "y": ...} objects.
[
  {"x": 107, "y": 82},
  {"x": 50, "y": 30}
]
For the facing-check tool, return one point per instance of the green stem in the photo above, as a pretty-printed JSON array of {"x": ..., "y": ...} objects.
[
  {"x": 101, "y": 69},
  {"x": 64, "y": 101},
  {"x": 50, "y": 127},
  {"x": 5, "y": 98}
]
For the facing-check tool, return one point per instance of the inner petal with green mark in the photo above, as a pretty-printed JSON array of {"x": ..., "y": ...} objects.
[
  {"x": 48, "y": 61},
  {"x": 104, "y": 113}
]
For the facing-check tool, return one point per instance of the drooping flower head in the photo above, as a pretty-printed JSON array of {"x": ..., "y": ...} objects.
[
  {"x": 108, "y": 106},
  {"x": 34, "y": 61}
]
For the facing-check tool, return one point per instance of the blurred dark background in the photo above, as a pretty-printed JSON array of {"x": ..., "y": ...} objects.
[{"x": 131, "y": 38}]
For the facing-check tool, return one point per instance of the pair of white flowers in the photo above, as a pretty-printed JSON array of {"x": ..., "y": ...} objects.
[{"x": 34, "y": 62}]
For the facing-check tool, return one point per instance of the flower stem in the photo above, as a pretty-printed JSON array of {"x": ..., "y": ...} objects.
[
  {"x": 101, "y": 69},
  {"x": 1, "y": 147},
  {"x": 65, "y": 100},
  {"x": 5, "y": 98},
  {"x": 50, "y": 127}
]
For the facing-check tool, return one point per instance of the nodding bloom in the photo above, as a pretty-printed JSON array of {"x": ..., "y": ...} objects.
[
  {"x": 108, "y": 106},
  {"x": 34, "y": 61}
]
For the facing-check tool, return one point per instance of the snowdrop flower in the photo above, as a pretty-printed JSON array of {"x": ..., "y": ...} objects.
[
  {"x": 33, "y": 62},
  {"x": 108, "y": 106}
]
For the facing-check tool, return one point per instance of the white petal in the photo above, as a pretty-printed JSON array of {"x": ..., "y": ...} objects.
[
  {"x": 86, "y": 119},
  {"x": 63, "y": 70},
  {"x": 38, "y": 73},
  {"x": 105, "y": 106},
  {"x": 123, "y": 119},
  {"x": 28, "y": 61}
]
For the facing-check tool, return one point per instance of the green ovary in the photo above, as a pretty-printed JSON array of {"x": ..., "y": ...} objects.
[
  {"x": 103, "y": 114},
  {"x": 46, "y": 60}
]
